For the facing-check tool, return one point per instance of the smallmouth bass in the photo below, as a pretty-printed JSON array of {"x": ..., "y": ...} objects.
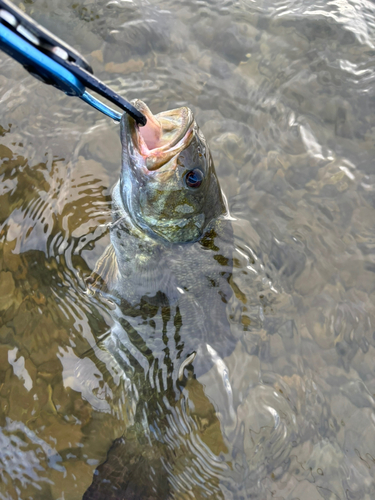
[{"x": 167, "y": 273}]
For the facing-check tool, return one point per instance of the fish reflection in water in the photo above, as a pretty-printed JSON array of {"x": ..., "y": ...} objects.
[{"x": 166, "y": 276}]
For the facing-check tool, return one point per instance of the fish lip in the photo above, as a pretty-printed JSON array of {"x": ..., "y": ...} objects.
[{"x": 155, "y": 158}]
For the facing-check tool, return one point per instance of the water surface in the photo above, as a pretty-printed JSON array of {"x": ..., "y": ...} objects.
[{"x": 284, "y": 92}]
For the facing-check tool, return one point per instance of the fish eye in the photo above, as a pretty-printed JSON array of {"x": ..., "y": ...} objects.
[{"x": 194, "y": 178}]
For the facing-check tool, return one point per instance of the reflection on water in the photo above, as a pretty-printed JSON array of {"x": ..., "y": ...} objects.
[{"x": 281, "y": 402}]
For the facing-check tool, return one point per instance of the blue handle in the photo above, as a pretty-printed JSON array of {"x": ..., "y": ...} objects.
[
  {"x": 38, "y": 63},
  {"x": 50, "y": 71}
]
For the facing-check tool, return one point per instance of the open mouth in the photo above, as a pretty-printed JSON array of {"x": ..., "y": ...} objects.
[{"x": 164, "y": 136}]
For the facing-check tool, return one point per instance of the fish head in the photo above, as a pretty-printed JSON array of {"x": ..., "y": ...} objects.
[{"x": 168, "y": 183}]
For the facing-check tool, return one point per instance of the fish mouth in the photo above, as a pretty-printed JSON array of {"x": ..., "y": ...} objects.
[{"x": 164, "y": 136}]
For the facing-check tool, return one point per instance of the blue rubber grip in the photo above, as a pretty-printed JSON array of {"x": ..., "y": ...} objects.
[{"x": 39, "y": 64}]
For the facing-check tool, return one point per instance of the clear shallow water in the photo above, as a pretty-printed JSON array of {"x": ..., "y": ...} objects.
[{"x": 284, "y": 93}]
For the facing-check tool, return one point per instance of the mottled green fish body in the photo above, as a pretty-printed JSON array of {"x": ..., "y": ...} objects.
[{"x": 167, "y": 272}]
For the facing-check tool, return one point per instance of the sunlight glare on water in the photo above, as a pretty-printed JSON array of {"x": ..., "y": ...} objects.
[{"x": 284, "y": 92}]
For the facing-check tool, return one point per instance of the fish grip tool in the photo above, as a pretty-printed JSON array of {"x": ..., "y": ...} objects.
[{"x": 54, "y": 62}]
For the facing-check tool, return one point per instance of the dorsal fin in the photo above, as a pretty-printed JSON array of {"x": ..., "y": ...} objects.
[{"x": 106, "y": 272}]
